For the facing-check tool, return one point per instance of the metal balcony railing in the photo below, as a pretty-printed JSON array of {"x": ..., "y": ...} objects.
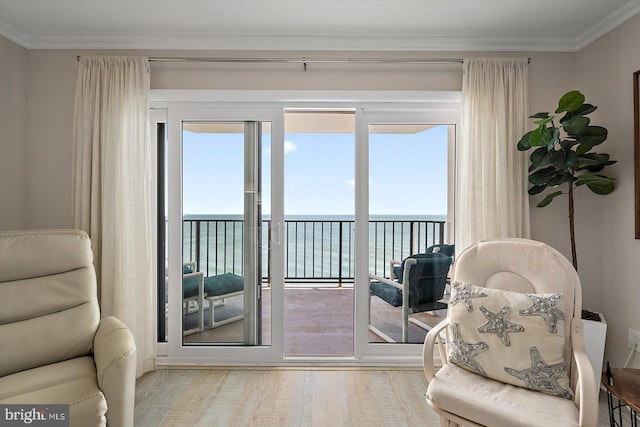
[{"x": 316, "y": 250}]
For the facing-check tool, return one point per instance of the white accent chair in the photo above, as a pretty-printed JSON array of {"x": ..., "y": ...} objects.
[
  {"x": 461, "y": 397},
  {"x": 54, "y": 347}
]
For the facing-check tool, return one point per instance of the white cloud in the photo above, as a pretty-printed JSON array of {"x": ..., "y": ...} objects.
[
  {"x": 289, "y": 146},
  {"x": 351, "y": 182}
]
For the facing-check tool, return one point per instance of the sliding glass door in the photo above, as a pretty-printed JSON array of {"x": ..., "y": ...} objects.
[
  {"x": 406, "y": 189},
  {"x": 219, "y": 233},
  {"x": 230, "y": 249}
]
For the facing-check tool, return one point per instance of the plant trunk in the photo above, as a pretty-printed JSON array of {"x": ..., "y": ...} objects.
[{"x": 572, "y": 229}]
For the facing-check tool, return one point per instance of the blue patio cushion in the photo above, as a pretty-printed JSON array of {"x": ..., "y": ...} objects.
[
  {"x": 387, "y": 293},
  {"x": 221, "y": 284},
  {"x": 190, "y": 286}
]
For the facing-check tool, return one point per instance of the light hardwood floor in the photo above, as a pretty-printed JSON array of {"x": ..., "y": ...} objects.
[{"x": 287, "y": 397}]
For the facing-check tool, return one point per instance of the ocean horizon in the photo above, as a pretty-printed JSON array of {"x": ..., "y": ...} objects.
[
  {"x": 317, "y": 246},
  {"x": 302, "y": 217}
]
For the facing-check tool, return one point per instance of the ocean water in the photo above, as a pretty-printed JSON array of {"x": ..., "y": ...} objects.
[{"x": 317, "y": 247}]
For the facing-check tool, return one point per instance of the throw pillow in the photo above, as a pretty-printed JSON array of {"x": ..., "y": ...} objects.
[{"x": 512, "y": 337}]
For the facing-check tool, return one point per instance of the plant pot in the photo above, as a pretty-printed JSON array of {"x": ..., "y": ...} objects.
[{"x": 595, "y": 334}]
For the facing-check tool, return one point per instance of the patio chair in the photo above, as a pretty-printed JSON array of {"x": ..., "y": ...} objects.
[
  {"x": 218, "y": 289},
  {"x": 513, "y": 352},
  {"x": 420, "y": 284},
  {"x": 214, "y": 289},
  {"x": 445, "y": 249},
  {"x": 193, "y": 295}
]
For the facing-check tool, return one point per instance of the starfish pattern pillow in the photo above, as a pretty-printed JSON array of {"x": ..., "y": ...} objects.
[{"x": 512, "y": 337}]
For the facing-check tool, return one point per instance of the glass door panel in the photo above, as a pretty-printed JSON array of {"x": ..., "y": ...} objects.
[
  {"x": 319, "y": 233},
  {"x": 409, "y": 202},
  {"x": 222, "y": 232}
]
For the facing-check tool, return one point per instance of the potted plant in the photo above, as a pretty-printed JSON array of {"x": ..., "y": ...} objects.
[{"x": 562, "y": 161}]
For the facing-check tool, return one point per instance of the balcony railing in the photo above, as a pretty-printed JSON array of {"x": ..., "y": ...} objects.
[{"x": 316, "y": 250}]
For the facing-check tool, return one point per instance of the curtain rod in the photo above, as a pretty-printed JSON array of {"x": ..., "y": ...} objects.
[{"x": 304, "y": 61}]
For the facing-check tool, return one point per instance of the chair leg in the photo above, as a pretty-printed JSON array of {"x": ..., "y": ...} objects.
[
  {"x": 447, "y": 423},
  {"x": 420, "y": 324},
  {"x": 405, "y": 324},
  {"x": 212, "y": 323}
]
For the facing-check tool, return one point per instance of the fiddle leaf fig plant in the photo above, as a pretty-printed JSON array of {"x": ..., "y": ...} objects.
[{"x": 562, "y": 160}]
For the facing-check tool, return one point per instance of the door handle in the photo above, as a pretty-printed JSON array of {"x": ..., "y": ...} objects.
[{"x": 274, "y": 233}]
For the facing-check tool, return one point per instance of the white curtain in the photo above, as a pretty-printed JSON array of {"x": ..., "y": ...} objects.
[
  {"x": 111, "y": 196},
  {"x": 492, "y": 199}
]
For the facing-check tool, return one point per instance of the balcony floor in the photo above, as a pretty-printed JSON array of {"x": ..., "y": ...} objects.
[{"x": 318, "y": 321}]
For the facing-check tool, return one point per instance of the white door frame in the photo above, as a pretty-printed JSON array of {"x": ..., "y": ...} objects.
[{"x": 441, "y": 107}]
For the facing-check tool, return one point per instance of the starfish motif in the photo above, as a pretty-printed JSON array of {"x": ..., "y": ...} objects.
[
  {"x": 463, "y": 293},
  {"x": 463, "y": 353},
  {"x": 546, "y": 308},
  {"x": 542, "y": 377},
  {"x": 499, "y": 325}
]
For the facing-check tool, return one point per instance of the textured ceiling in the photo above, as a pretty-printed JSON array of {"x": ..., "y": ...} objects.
[{"x": 313, "y": 24}]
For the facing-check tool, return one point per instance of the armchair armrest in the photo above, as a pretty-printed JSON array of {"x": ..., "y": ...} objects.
[
  {"x": 114, "y": 352},
  {"x": 429, "y": 347},
  {"x": 587, "y": 385},
  {"x": 393, "y": 262},
  {"x": 386, "y": 281}
]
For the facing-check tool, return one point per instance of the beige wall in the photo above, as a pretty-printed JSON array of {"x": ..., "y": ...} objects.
[
  {"x": 610, "y": 266},
  {"x": 13, "y": 142},
  {"x": 608, "y": 254}
]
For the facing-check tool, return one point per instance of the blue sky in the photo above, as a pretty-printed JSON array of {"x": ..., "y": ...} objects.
[{"x": 408, "y": 173}]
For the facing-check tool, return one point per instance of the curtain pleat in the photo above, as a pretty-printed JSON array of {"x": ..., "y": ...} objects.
[
  {"x": 112, "y": 190},
  {"x": 492, "y": 199}
]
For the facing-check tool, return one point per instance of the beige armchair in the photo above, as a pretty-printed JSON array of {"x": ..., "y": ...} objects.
[
  {"x": 512, "y": 346},
  {"x": 54, "y": 348}
]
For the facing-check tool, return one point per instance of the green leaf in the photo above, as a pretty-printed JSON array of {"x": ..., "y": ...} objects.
[
  {"x": 570, "y": 101},
  {"x": 584, "y": 110},
  {"x": 523, "y": 144},
  {"x": 594, "y": 162},
  {"x": 540, "y": 137},
  {"x": 566, "y": 144},
  {"x": 541, "y": 156},
  {"x": 576, "y": 125},
  {"x": 591, "y": 136},
  {"x": 565, "y": 159},
  {"x": 548, "y": 199},
  {"x": 543, "y": 121},
  {"x": 560, "y": 178},
  {"x": 594, "y": 159},
  {"x": 542, "y": 115},
  {"x": 597, "y": 183},
  {"x": 591, "y": 168},
  {"x": 536, "y": 189},
  {"x": 542, "y": 176}
]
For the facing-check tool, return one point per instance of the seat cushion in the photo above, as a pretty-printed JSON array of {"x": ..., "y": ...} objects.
[
  {"x": 71, "y": 382},
  {"x": 492, "y": 403},
  {"x": 223, "y": 284},
  {"x": 386, "y": 293}
]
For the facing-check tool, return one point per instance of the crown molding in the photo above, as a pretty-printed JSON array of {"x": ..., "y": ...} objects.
[
  {"x": 9, "y": 31},
  {"x": 322, "y": 43},
  {"x": 293, "y": 43},
  {"x": 602, "y": 27}
]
